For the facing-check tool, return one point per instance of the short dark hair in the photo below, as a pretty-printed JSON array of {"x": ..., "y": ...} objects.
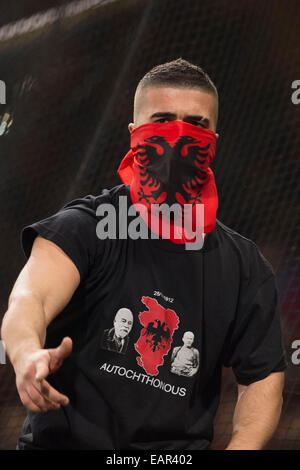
[{"x": 179, "y": 73}]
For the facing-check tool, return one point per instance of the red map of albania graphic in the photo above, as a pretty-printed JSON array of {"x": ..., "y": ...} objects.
[{"x": 156, "y": 337}]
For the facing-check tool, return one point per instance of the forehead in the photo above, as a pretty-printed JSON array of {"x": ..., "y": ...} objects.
[
  {"x": 123, "y": 315},
  {"x": 180, "y": 101},
  {"x": 188, "y": 335}
]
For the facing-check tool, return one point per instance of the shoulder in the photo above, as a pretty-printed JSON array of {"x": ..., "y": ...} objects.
[
  {"x": 109, "y": 333},
  {"x": 81, "y": 215},
  {"x": 73, "y": 220},
  {"x": 248, "y": 253},
  {"x": 89, "y": 203},
  {"x": 233, "y": 236}
]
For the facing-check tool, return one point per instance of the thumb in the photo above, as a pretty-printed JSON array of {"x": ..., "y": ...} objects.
[
  {"x": 42, "y": 370},
  {"x": 64, "y": 349}
]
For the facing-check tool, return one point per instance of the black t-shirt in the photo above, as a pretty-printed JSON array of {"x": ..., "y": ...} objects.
[{"x": 152, "y": 325}]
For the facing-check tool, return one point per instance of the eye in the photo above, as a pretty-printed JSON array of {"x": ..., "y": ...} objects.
[
  {"x": 197, "y": 123},
  {"x": 161, "y": 120}
]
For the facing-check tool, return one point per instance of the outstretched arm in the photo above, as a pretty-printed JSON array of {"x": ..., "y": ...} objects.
[
  {"x": 43, "y": 288},
  {"x": 257, "y": 413}
]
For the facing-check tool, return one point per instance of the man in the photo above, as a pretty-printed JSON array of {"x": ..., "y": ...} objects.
[
  {"x": 185, "y": 359},
  {"x": 116, "y": 339},
  {"x": 223, "y": 291}
]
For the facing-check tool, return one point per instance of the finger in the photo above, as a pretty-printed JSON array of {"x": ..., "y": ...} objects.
[
  {"x": 53, "y": 395},
  {"x": 42, "y": 370},
  {"x": 64, "y": 349},
  {"x": 42, "y": 390},
  {"x": 39, "y": 400},
  {"x": 28, "y": 403}
]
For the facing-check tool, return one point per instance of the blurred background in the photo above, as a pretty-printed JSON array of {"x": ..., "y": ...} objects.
[{"x": 71, "y": 69}]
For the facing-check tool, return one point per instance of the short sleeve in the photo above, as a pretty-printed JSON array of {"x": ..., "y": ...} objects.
[
  {"x": 72, "y": 228},
  {"x": 254, "y": 348}
]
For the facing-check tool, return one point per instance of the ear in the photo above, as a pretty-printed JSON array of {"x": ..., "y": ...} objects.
[
  {"x": 217, "y": 136},
  {"x": 131, "y": 126}
]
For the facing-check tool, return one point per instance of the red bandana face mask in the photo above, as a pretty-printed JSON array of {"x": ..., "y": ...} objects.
[{"x": 168, "y": 163}]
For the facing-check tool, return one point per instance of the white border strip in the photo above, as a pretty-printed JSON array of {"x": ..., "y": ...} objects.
[{"x": 2, "y": 353}]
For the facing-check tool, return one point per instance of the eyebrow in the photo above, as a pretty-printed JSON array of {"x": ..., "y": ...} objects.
[{"x": 190, "y": 117}]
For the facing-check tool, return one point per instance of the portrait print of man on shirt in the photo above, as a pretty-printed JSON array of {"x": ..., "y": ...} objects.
[
  {"x": 116, "y": 339},
  {"x": 185, "y": 359}
]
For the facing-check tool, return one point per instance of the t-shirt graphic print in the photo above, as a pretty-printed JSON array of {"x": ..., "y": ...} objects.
[{"x": 156, "y": 337}]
